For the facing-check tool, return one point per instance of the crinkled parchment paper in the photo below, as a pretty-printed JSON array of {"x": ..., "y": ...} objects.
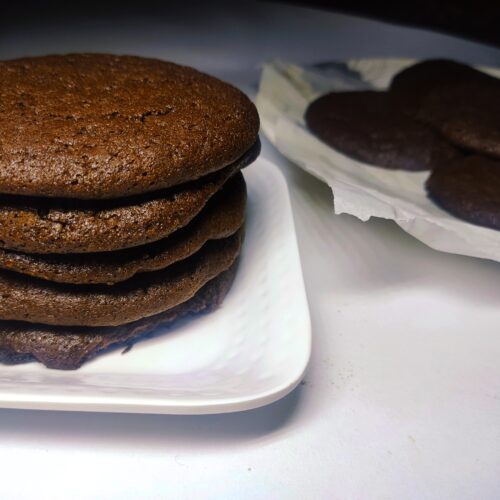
[{"x": 360, "y": 190}]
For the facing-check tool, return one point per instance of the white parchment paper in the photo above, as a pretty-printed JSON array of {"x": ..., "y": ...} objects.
[{"x": 359, "y": 189}]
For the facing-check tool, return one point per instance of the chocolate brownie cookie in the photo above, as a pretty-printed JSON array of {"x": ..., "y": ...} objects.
[
  {"x": 469, "y": 189},
  {"x": 67, "y": 348},
  {"x": 37, "y": 301},
  {"x": 45, "y": 225},
  {"x": 223, "y": 216},
  {"x": 414, "y": 83},
  {"x": 106, "y": 126},
  {"x": 369, "y": 127},
  {"x": 468, "y": 115}
]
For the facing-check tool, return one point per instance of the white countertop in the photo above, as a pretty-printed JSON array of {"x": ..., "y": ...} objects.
[{"x": 402, "y": 397}]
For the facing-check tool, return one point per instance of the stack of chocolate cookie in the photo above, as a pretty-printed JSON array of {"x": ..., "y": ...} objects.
[
  {"x": 122, "y": 203},
  {"x": 437, "y": 115}
]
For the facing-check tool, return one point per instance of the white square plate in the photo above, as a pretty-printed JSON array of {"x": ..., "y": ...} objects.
[{"x": 250, "y": 352}]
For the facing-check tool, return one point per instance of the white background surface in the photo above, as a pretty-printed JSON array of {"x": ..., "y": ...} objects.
[{"x": 402, "y": 397}]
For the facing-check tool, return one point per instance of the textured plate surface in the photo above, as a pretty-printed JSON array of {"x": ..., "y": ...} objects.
[{"x": 252, "y": 351}]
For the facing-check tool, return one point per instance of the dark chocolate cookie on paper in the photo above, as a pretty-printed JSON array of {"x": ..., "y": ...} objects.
[
  {"x": 411, "y": 85},
  {"x": 469, "y": 189},
  {"x": 222, "y": 217},
  {"x": 106, "y": 126},
  {"x": 467, "y": 114},
  {"x": 369, "y": 127},
  {"x": 67, "y": 348}
]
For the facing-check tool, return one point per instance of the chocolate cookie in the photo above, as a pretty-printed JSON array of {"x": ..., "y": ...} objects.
[
  {"x": 37, "y": 301},
  {"x": 223, "y": 216},
  {"x": 106, "y": 126},
  {"x": 369, "y": 127},
  {"x": 67, "y": 348},
  {"x": 468, "y": 115},
  {"x": 44, "y": 225},
  {"x": 414, "y": 83},
  {"x": 469, "y": 189}
]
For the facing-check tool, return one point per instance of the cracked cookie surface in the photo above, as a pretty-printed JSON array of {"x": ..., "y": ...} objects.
[
  {"x": 94, "y": 126},
  {"x": 222, "y": 217},
  {"x": 24, "y": 298},
  {"x": 67, "y": 348},
  {"x": 47, "y": 225}
]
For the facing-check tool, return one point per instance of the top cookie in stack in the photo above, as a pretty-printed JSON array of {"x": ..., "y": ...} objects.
[{"x": 114, "y": 170}]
